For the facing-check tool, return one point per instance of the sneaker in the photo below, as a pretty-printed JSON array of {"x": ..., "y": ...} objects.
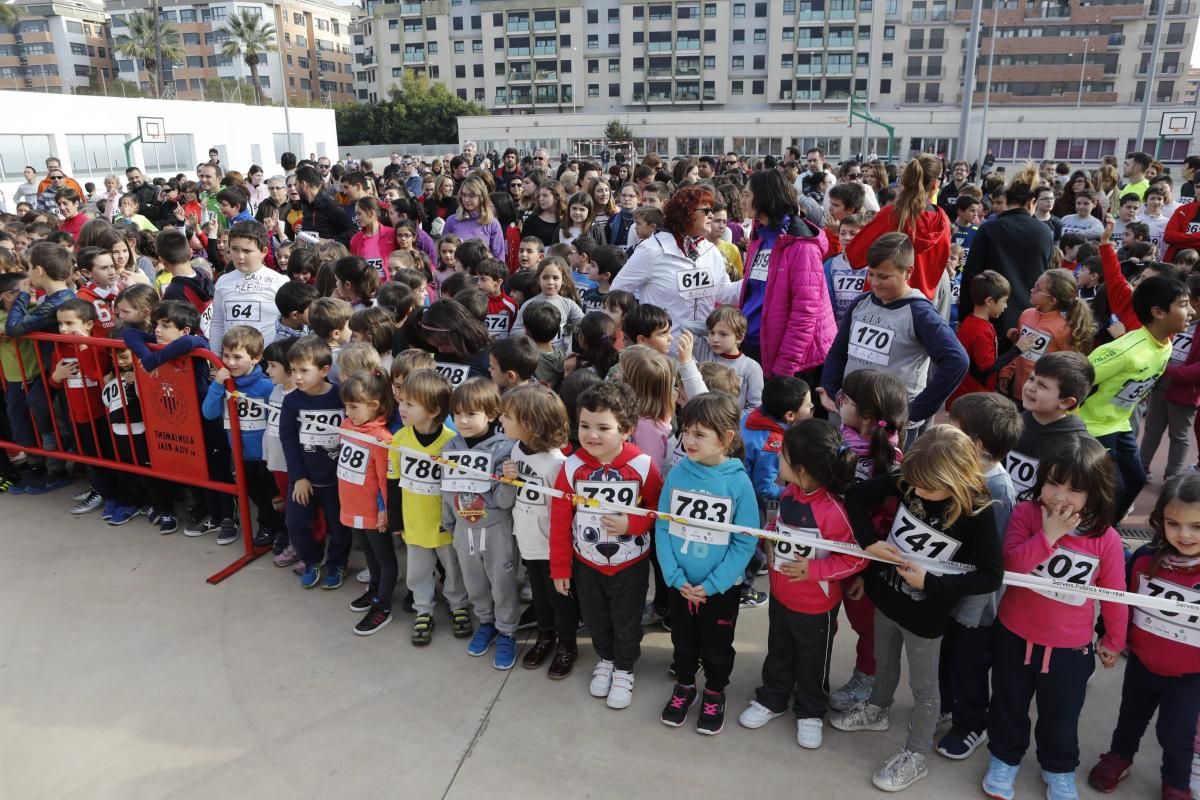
[
  {"x": 310, "y": 577},
  {"x": 960, "y": 743},
  {"x": 1060, "y": 785},
  {"x": 866, "y": 717},
  {"x": 288, "y": 557},
  {"x": 410, "y": 608},
  {"x": 756, "y": 715},
  {"x": 542, "y": 650},
  {"x": 481, "y": 642},
  {"x": 88, "y": 503},
  {"x": 281, "y": 542},
  {"x": 712, "y": 713},
  {"x": 506, "y": 652},
  {"x": 263, "y": 538},
  {"x": 84, "y": 495},
  {"x": 563, "y": 662},
  {"x": 299, "y": 567},
  {"x": 109, "y": 507},
  {"x": 422, "y": 632},
  {"x": 601, "y": 679},
  {"x": 620, "y": 693},
  {"x": 675, "y": 712},
  {"x": 228, "y": 533},
  {"x": 200, "y": 528},
  {"x": 54, "y": 481},
  {"x": 375, "y": 619},
  {"x": 856, "y": 690},
  {"x": 167, "y": 523},
  {"x": 334, "y": 577},
  {"x": 363, "y": 576},
  {"x": 752, "y": 598},
  {"x": 651, "y": 616},
  {"x": 460, "y": 620},
  {"x": 123, "y": 514},
  {"x": 362, "y": 603},
  {"x": 901, "y": 771},
  {"x": 945, "y": 717},
  {"x": 810, "y": 732},
  {"x": 1000, "y": 781},
  {"x": 5, "y": 484},
  {"x": 1111, "y": 770},
  {"x": 1171, "y": 793},
  {"x": 149, "y": 513}
]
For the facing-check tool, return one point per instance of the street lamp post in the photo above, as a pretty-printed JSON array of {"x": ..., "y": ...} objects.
[
  {"x": 1082, "y": 72},
  {"x": 574, "y": 71},
  {"x": 987, "y": 89}
]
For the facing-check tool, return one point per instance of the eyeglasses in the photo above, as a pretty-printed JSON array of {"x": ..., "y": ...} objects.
[
  {"x": 731, "y": 163},
  {"x": 705, "y": 210},
  {"x": 322, "y": 166},
  {"x": 58, "y": 177},
  {"x": 853, "y": 175}
]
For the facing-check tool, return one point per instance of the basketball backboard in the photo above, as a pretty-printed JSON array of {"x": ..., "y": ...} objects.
[
  {"x": 152, "y": 130},
  {"x": 1177, "y": 123}
]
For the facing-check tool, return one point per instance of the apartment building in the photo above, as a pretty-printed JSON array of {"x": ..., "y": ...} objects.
[
  {"x": 56, "y": 46},
  {"x": 550, "y": 56},
  {"x": 313, "y": 37}
]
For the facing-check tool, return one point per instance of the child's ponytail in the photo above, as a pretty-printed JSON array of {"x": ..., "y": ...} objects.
[
  {"x": 1065, "y": 291},
  {"x": 817, "y": 446},
  {"x": 882, "y": 402}
]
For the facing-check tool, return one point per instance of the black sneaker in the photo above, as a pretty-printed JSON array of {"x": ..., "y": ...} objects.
[
  {"x": 422, "y": 632},
  {"x": 407, "y": 604},
  {"x": 752, "y": 598},
  {"x": 960, "y": 743},
  {"x": 712, "y": 713},
  {"x": 264, "y": 537},
  {"x": 676, "y": 710},
  {"x": 281, "y": 541},
  {"x": 227, "y": 532},
  {"x": 460, "y": 620},
  {"x": 376, "y": 618},
  {"x": 362, "y": 603}
]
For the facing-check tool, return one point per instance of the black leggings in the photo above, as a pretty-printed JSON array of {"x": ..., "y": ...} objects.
[
  {"x": 555, "y": 613},
  {"x": 380, "y": 550}
]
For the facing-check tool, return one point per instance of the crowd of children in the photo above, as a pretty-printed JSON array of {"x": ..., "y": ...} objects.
[{"x": 793, "y": 385}]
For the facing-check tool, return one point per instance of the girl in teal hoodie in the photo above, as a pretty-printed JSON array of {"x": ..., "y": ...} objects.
[{"x": 703, "y": 566}]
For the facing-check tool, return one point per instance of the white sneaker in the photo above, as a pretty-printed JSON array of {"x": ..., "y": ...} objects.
[
  {"x": 602, "y": 675},
  {"x": 620, "y": 694},
  {"x": 756, "y": 715},
  {"x": 901, "y": 771},
  {"x": 1195, "y": 783},
  {"x": 861, "y": 718},
  {"x": 363, "y": 576},
  {"x": 87, "y": 503},
  {"x": 809, "y": 733}
]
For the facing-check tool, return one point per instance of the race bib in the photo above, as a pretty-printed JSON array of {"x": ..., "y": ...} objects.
[
  {"x": 956, "y": 285},
  {"x": 1022, "y": 470},
  {"x": 706, "y": 507},
  {"x": 419, "y": 475},
  {"x": 1039, "y": 344},
  {"x": 848, "y": 283},
  {"x": 694, "y": 283},
  {"x": 1178, "y": 626},
  {"x": 864, "y": 468},
  {"x": 79, "y": 380},
  {"x": 377, "y": 265},
  {"x": 758, "y": 270},
  {"x": 455, "y": 373},
  {"x": 870, "y": 343},
  {"x": 1070, "y": 567},
  {"x": 1132, "y": 393},
  {"x": 239, "y": 312},
  {"x": 497, "y": 325},
  {"x": 104, "y": 313},
  {"x": 1181, "y": 345},
  {"x": 111, "y": 395},
  {"x": 251, "y": 416},
  {"x": 623, "y": 493},
  {"x": 352, "y": 462},
  {"x": 914, "y": 537},
  {"x": 273, "y": 420},
  {"x": 455, "y": 481},
  {"x": 206, "y": 319},
  {"x": 320, "y": 428},
  {"x": 796, "y": 543}
]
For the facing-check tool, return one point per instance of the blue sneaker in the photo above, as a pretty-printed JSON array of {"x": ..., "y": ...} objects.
[
  {"x": 1000, "y": 780},
  {"x": 56, "y": 480},
  {"x": 311, "y": 576},
  {"x": 481, "y": 642},
  {"x": 1060, "y": 785},
  {"x": 506, "y": 652},
  {"x": 122, "y": 514},
  {"x": 334, "y": 577},
  {"x": 110, "y": 507}
]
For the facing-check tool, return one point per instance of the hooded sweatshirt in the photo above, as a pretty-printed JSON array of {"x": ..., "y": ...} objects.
[
  {"x": 1167, "y": 642},
  {"x": 762, "y": 436},
  {"x": 252, "y": 415},
  {"x": 575, "y": 531},
  {"x": 930, "y": 238},
  {"x": 196, "y": 290},
  {"x": 362, "y": 475},
  {"x": 531, "y": 514},
  {"x": 714, "y": 560},
  {"x": 104, "y": 301},
  {"x": 1036, "y": 443},
  {"x": 471, "y": 506},
  {"x": 802, "y": 516}
]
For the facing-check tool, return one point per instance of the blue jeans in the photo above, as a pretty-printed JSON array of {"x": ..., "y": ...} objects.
[{"x": 1131, "y": 477}]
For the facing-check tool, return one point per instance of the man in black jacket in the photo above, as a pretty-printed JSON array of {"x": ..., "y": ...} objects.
[
  {"x": 322, "y": 215},
  {"x": 948, "y": 193},
  {"x": 147, "y": 193}
]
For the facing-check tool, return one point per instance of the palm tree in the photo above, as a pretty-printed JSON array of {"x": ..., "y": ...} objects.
[
  {"x": 250, "y": 37},
  {"x": 140, "y": 44},
  {"x": 9, "y": 15}
]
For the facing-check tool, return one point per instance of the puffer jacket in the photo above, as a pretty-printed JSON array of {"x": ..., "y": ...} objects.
[{"x": 798, "y": 327}]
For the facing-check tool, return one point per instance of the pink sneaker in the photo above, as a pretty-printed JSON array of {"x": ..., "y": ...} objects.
[
  {"x": 287, "y": 557},
  {"x": 299, "y": 568}
]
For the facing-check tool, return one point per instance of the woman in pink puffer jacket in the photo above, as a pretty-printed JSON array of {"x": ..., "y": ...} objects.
[{"x": 784, "y": 296}]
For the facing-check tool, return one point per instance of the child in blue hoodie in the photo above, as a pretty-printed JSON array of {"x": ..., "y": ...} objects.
[
  {"x": 242, "y": 350},
  {"x": 703, "y": 566}
]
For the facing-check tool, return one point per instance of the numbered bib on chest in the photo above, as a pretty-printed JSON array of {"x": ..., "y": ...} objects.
[
  {"x": 1132, "y": 393},
  {"x": 377, "y": 265},
  {"x": 1040, "y": 343},
  {"x": 111, "y": 394},
  {"x": 320, "y": 428},
  {"x": 1022, "y": 470},
  {"x": 242, "y": 311},
  {"x": 694, "y": 283},
  {"x": 864, "y": 468},
  {"x": 455, "y": 481},
  {"x": 1181, "y": 345},
  {"x": 704, "y": 507},
  {"x": 206, "y": 319},
  {"x": 796, "y": 543},
  {"x": 1178, "y": 626},
  {"x": 623, "y": 493},
  {"x": 847, "y": 286},
  {"x": 104, "y": 313},
  {"x": 455, "y": 373},
  {"x": 914, "y": 537},
  {"x": 1070, "y": 567},
  {"x": 273, "y": 420},
  {"x": 252, "y": 416},
  {"x": 419, "y": 475},
  {"x": 497, "y": 325},
  {"x": 956, "y": 284},
  {"x": 870, "y": 343},
  {"x": 759, "y": 269},
  {"x": 352, "y": 462}
]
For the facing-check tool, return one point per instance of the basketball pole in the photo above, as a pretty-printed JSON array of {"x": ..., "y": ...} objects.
[{"x": 128, "y": 145}]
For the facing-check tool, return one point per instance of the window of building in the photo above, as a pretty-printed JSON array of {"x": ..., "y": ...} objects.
[
  {"x": 710, "y": 62},
  {"x": 710, "y": 9},
  {"x": 1007, "y": 149},
  {"x": 477, "y": 70},
  {"x": 710, "y": 35},
  {"x": 614, "y": 65},
  {"x": 614, "y": 40},
  {"x": 758, "y": 87},
  {"x": 889, "y": 32},
  {"x": 593, "y": 90},
  {"x": 639, "y": 63},
  {"x": 187, "y": 15},
  {"x": 739, "y": 10},
  {"x": 593, "y": 66},
  {"x": 760, "y": 36},
  {"x": 593, "y": 41},
  {"x": 738, "y": 63},
  {"x": 498, "y": 43},
  {"x": 195, "y": 62},
  {"x": 191, "y": 39},
  {"x": 457, "y": 23},
  {"x": 639, "y": 12},
  {"x": 1081, "y": 149},
  {"x": 735, "y": 87},
  {"x": 614, "y": 90},
  {"x": 739, "y": 36},
  {"x": 593, "y": 17},
  {"x": 459, "y": 47},
  {"x": 614, "y": 15}
]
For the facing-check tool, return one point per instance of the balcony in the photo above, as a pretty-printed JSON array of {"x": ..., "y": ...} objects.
[
  {"x": 1046, "y": 12},
  {"x": 687, "y": 72},
  {"x": 414, "y": 57},
  {"x": 658, "y": 97},
  {"x": 545, "y": 25},
  {"x": 842, "y": 13},
  {"x": 520, "y": 99},
  {"x": 407, "y": 9},
  {"x": 517, "y": 26},
  {"x": 660, "y": 47},
  {"x": 544, "y": 75},
  {"x": 1165, "y": 69},
  {"x": 837, "y": 68},
  {"x": 687, "y": 97},
  {"x": 687, "y": 44},
  {"x": 546, "y": 97},
  {"x": 812, "y": 16},
  {"x": 810, "y": 43},
  {"x": 659, "y": 72},
  {"x": 518, "y": 52},
  {"x": 1177, "y": 8},
  {"x": 810, "y": 69},
  {"x": 841, "y": 43},
  {"x": 520, "y": 76},
  {"x": 545, "y": 50},
  {"x": 1116, "y": 41}
]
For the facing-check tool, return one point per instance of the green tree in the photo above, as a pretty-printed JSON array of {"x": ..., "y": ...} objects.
[
  {"x": 250, "y": 37},
  {"x": 617, "y": 131},
  {"x": 139, "y": 44},
  {"x": 416, "y": 111},
  {"x": 229, "y": 90},
  {"x": 8, "y": 16}
]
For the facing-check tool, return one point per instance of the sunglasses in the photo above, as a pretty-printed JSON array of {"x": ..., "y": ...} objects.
[
  {"x": 58, "y": 177},
  {"x": 705, "y": 210},
  {"x": 731, "y": 163}
]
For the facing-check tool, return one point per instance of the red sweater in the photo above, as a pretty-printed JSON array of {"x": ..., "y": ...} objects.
[
  {"x": 1183, "y": 370},
  {"x": 1167, "y": 642},
  {"x": 362, "y": 475},
  {"x": 1120, "y": 295},
  {"x": 501, "y": 312},
  {"x": 83, "y": 390},
  {"x": 978, "y": 338},
  {"x": 930, "y": 238},
  {"x": 575, "y": 531},
  {"x": 104, "y": 301},
  {"x": 1182, "y": 231},
  {"x": 818, "y": 515}
]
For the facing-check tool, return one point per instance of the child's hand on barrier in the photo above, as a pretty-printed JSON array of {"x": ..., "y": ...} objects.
[
  {"x": 563, "y": 586},
  {"x": 65, "y": 369},
  {"x": 887, "y": 551},
  {"x": 302, "y": 491}
]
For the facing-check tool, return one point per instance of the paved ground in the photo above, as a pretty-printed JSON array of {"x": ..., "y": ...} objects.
[{"x": 124, "y": 675}]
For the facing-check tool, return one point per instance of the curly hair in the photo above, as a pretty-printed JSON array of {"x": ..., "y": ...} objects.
[{"x": 679, "y": 210}]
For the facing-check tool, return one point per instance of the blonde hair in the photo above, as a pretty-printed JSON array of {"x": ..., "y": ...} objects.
[
  {"x": 357, "y": 357},
  {"x": 720, "y": 378},
  {"x": 475, "y": 185},
  {"x": 945, "y": 458},
  {"x": 541, "y": 413},
  {"x": 409, "y": 361},
  {"x": 430, "y": 390},
  {"x": 331, "y": 251},
  {"x": 652, "y": 378},
  {"x": 1065, "y": 291},
  {"x": 243, "y": 337},
  {"x": 477, "y": 394}
]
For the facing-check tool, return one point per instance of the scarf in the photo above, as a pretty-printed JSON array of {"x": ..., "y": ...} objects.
[{"x": 1181, "y": 562}]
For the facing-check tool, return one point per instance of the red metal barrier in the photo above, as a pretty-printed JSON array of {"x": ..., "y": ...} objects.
[{"x": 171, "y": 412}]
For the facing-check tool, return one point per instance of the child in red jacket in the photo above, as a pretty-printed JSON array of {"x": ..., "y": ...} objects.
[
  {"x": 977, "y": 334},
  {"x": 1171, "y": 407}
]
